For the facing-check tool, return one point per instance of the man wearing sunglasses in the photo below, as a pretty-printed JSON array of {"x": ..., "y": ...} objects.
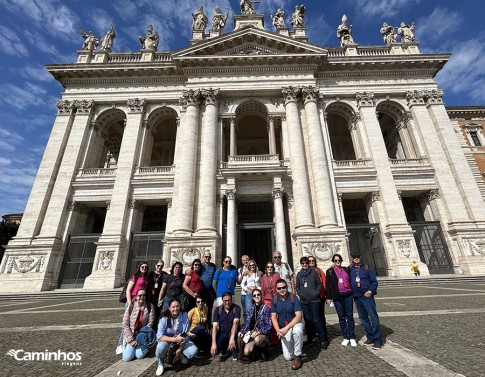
[
  {"x": 364, "y": 286},
  {"x": 207, "y": 271},
  {"x": 225, "y": 279},
  {"x": 286, "y": 316},
  {"x": 284, "y": 270}
]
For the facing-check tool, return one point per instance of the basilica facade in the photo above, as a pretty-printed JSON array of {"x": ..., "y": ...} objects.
[{"x": 247, "y": 142}]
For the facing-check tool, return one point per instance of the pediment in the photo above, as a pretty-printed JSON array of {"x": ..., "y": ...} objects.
[{"x": 249, "y": 41}]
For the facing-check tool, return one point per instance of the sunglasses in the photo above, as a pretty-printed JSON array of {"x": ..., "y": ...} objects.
[
  {"x": 277, "y": 257},
  {"x": 256, "y": 295},
  {"x": 280, "y": 288},
  {"x": 143, "y": 267},
  {"x": 158, "y": 265},
  {"x": 337, "y": 261},
  {"x": 140, "y": 295},
  {"x": 252, "y": 265},
  {"x": 304, "y": 263},
  {"x": 227, "y": 261},
  {"x": 196, "y": 264},
  {"x": 355, "y": 257},
  {"x": 199, "y": 302},
  {"x": 226, "y": 301},
  {"x": 207, "y": 256},
  {"x": 311, "y": 261}
]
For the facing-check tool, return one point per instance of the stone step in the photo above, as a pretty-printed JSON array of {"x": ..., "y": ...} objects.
[{"x": 386, "y": 281}]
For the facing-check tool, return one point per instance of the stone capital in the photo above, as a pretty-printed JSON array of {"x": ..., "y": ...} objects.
[
  {"x": 84, "y": 106},
  {"x": 277, "y": 193},
  {"x": 433, "y": 194},
  {"x": 231, "y": 194},
  {"x": 434, "y": 97},
  {"x": 373, "y": 197},
  {"x": 137, "y": 205},
  {"x": 211, "y": 96},
  {"x": 190, "y": 98},
  {"x": 415, "y": 97},
  {"x": 364, "y": 99},
  {"x": 136, "y": 105},
  {"x": 290, "y": 94},
  {"x": 310, "y": 94},
  {"x": 64, "y": 107}
]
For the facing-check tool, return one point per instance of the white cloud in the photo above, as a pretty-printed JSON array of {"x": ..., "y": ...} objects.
[
  {"x": 101, "y": 20},
  {"x": 465, "y": 71},
  {"x": 36, "y": 73},
  {"x": 11, "y": 44},
  {"x": 5, "y": 161},
  {"x": 12, "y": 136},
  {"x": 126, "y": 9},
  {"x": 49, "y": 15},
  {"x": 22, "y": 98},
  {"x": 432, "y": 28},
  {"x": 37, "y": 40},
  {"x": 319, "y": 31},
  {"x": 382, "y": 8}
]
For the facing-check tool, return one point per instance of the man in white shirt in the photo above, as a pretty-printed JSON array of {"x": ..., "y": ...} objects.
[
  {"x": 284, "y": 270},
  {"x": 241, "y": 272}
]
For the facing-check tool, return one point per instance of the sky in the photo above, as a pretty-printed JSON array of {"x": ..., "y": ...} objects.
[{"x": 38, "y": 32}]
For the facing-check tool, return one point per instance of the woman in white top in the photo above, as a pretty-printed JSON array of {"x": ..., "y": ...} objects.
[{"x": 250, "y": 282}]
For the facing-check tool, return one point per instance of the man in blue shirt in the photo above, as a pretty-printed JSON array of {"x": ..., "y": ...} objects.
[
  {"x": 225, "y": 279},
  {"x": 207, "y": 271},
  {"x": 286, "y": 316},
  {"x": 225, "y": 326},
  {"x": 364, "y": 286}
]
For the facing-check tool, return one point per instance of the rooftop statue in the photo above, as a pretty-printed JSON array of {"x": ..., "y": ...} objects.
[
  {"x": 218, "y": 21},
  {"x": 297, "y": 18},
  {"x": 200, "y": 20},
  {"x": 388, "y": 33},
  {"x": 406, "y": 32},
  {"x": 344, "y": 33},
  {"x": 107, "y": 40},
  {"x": 150, "y": 41},
  {"x": 90, "y": 41},
  {"x": 279, "y": 19},
  {"x": 247, "y": 7}
]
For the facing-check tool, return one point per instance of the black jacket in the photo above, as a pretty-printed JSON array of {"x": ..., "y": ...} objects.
[{"x": 332, "y": 283}]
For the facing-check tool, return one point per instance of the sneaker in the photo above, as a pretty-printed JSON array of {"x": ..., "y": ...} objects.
[
  {"x": 234, "y": 358},
  {"x": 159, "y": 371},
  {"x": 184, "y": 360},
  {"x": 369, "y": 343},
  {"x": 345, "y": 342},
  {"x": 376, "y": 346},
  {"x": 353, "y": 343},
  {"x": 324, "y": 345},
  {"x": 119, "y": 350}
]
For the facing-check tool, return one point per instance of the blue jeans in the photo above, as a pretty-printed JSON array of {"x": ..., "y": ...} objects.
[
  {"x": 202, "y": 338},
  {"x": 189, "y": 351},
  {"x": 245, "y": 305},
  {"x": 366, "y": 308},
  {"x": 311, "y": 312},
  {"x": 120, "y": 339},
  {"x": 344, "y": 307},
  {"x": 130, "y": 352},
  {"x": 222, "y": 341}
]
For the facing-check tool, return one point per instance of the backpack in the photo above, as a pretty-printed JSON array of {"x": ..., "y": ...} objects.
[
  {"x": 292, "y": 298},
  {"x": 123, "y": 291}
]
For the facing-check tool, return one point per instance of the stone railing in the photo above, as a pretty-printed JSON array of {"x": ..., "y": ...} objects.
[
  {"x": 148, "y": 170},
  {"x": 338, "y": 52},
  {"x": 96, "y": 172},
  {"x": 266, "y": 160},
  {"x": 349, "y": 163},
  {"x": 135, "y": 57}
]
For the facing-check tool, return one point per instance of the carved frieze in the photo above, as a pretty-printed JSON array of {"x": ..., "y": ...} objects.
[
  {"x": 322, "y": 251},
  {"x": 210, "y": 95},
  {"x": 25, "y": 263},
  {"x": 105, "y": 261},
  {"x": 64, "y": 107},
  {"x": 186, "y": 255},
  {"x": 404, "y": 247},
  {"x": 475, "y": 247},
  {"x": 136, "y": 105},
  {"x": 364, "y": 99},
  {"x": 84, "y": 106}
]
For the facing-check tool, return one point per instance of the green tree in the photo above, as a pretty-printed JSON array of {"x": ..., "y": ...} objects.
[{"x": 8, "y": 230}]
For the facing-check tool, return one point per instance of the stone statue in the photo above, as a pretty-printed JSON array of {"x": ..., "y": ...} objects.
[
  {"x": 344, "y": 33},
  {"x": 406, "y": 32},
  {"x": 90, "y": 41},
  {"x": 247, "y": 7},
  {"x": 297, "y": 18},
  {"x": 107, "y": 40},
  {"x": 388, "y": 33},
  {"x": 200, "y": 20},
  {"x": 279, "y": 19},
  {"x": 150, "y": 41},
  {"x": 218, "y": 21}
]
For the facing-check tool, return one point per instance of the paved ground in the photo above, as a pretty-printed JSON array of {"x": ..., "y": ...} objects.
[{"x": 430, "y": 330}]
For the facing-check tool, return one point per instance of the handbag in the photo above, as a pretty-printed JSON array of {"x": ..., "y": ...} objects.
[
  {"x": 247, "y": 337},
  {"x": 184, "y": 302},
  {"x": 123, "y": 298},
  {"x": 170, "y": 356}
]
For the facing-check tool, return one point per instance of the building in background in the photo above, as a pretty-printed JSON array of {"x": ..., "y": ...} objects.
[{"x": 247, "y": 142}]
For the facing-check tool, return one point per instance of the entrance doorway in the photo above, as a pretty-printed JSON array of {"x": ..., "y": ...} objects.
[
  {"x": 256, "y": 241},
  {"x": 367, "y": 239},
  {"x": 78, "y": 261}
]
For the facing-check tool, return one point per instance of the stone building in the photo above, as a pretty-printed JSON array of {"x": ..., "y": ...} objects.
[{"x": 248, "y": 141}]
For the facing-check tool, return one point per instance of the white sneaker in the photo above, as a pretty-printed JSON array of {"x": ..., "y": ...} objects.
[
  {"x": 183, "y": 359},
  {"x": 353, "y": 343},
  {"x": 159, "y": 371},
  {"x": 119, "y": 350},
  {"x": 345, "y": 342}
]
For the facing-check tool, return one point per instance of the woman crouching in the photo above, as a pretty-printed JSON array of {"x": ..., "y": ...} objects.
[
  {"x": 172, "y": 336},
  {"x": 256, "y": 329},
  {"x": 139, "y": 317}
]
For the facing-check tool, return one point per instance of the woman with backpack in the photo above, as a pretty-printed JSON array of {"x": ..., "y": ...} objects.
[
  {"x": 173, "y": 339},
  {"x": 137, "y": 323}
]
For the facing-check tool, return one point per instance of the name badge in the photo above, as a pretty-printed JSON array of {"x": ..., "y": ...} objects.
[
  {"x": 306, "y": 284},
  {"x": 357, "y": 279},
  {"x": 340, "y": 280},
  {"x": 156, "y": 285}
]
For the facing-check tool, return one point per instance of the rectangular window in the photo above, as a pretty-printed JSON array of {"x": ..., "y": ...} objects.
[{"x": 475, "y": 139}]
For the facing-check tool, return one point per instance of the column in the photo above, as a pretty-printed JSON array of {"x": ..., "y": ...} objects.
[
  {"x": 33, "y": 216},
  {"x": 231, "y": 225},
  {"x": 206, "y": 214},
  {"x": 185, "y": 165},
  {"x": 141, "y": 155},
  {"x": 272, "y": 136},
  {"x": 358, "y": 149},
  {"x": 301, "y": 189},
  {"x": 57, "y": 207},
  {"x": 232, "y": 137},
  {"x": 324, "y": 192},
  {"x": 279, "y": 216}
]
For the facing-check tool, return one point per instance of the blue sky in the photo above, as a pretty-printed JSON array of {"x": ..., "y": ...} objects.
[{"x": 38, "y": 32}]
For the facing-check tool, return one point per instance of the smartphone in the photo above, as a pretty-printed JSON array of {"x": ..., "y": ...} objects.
[{"x": 183, "y": 335}]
